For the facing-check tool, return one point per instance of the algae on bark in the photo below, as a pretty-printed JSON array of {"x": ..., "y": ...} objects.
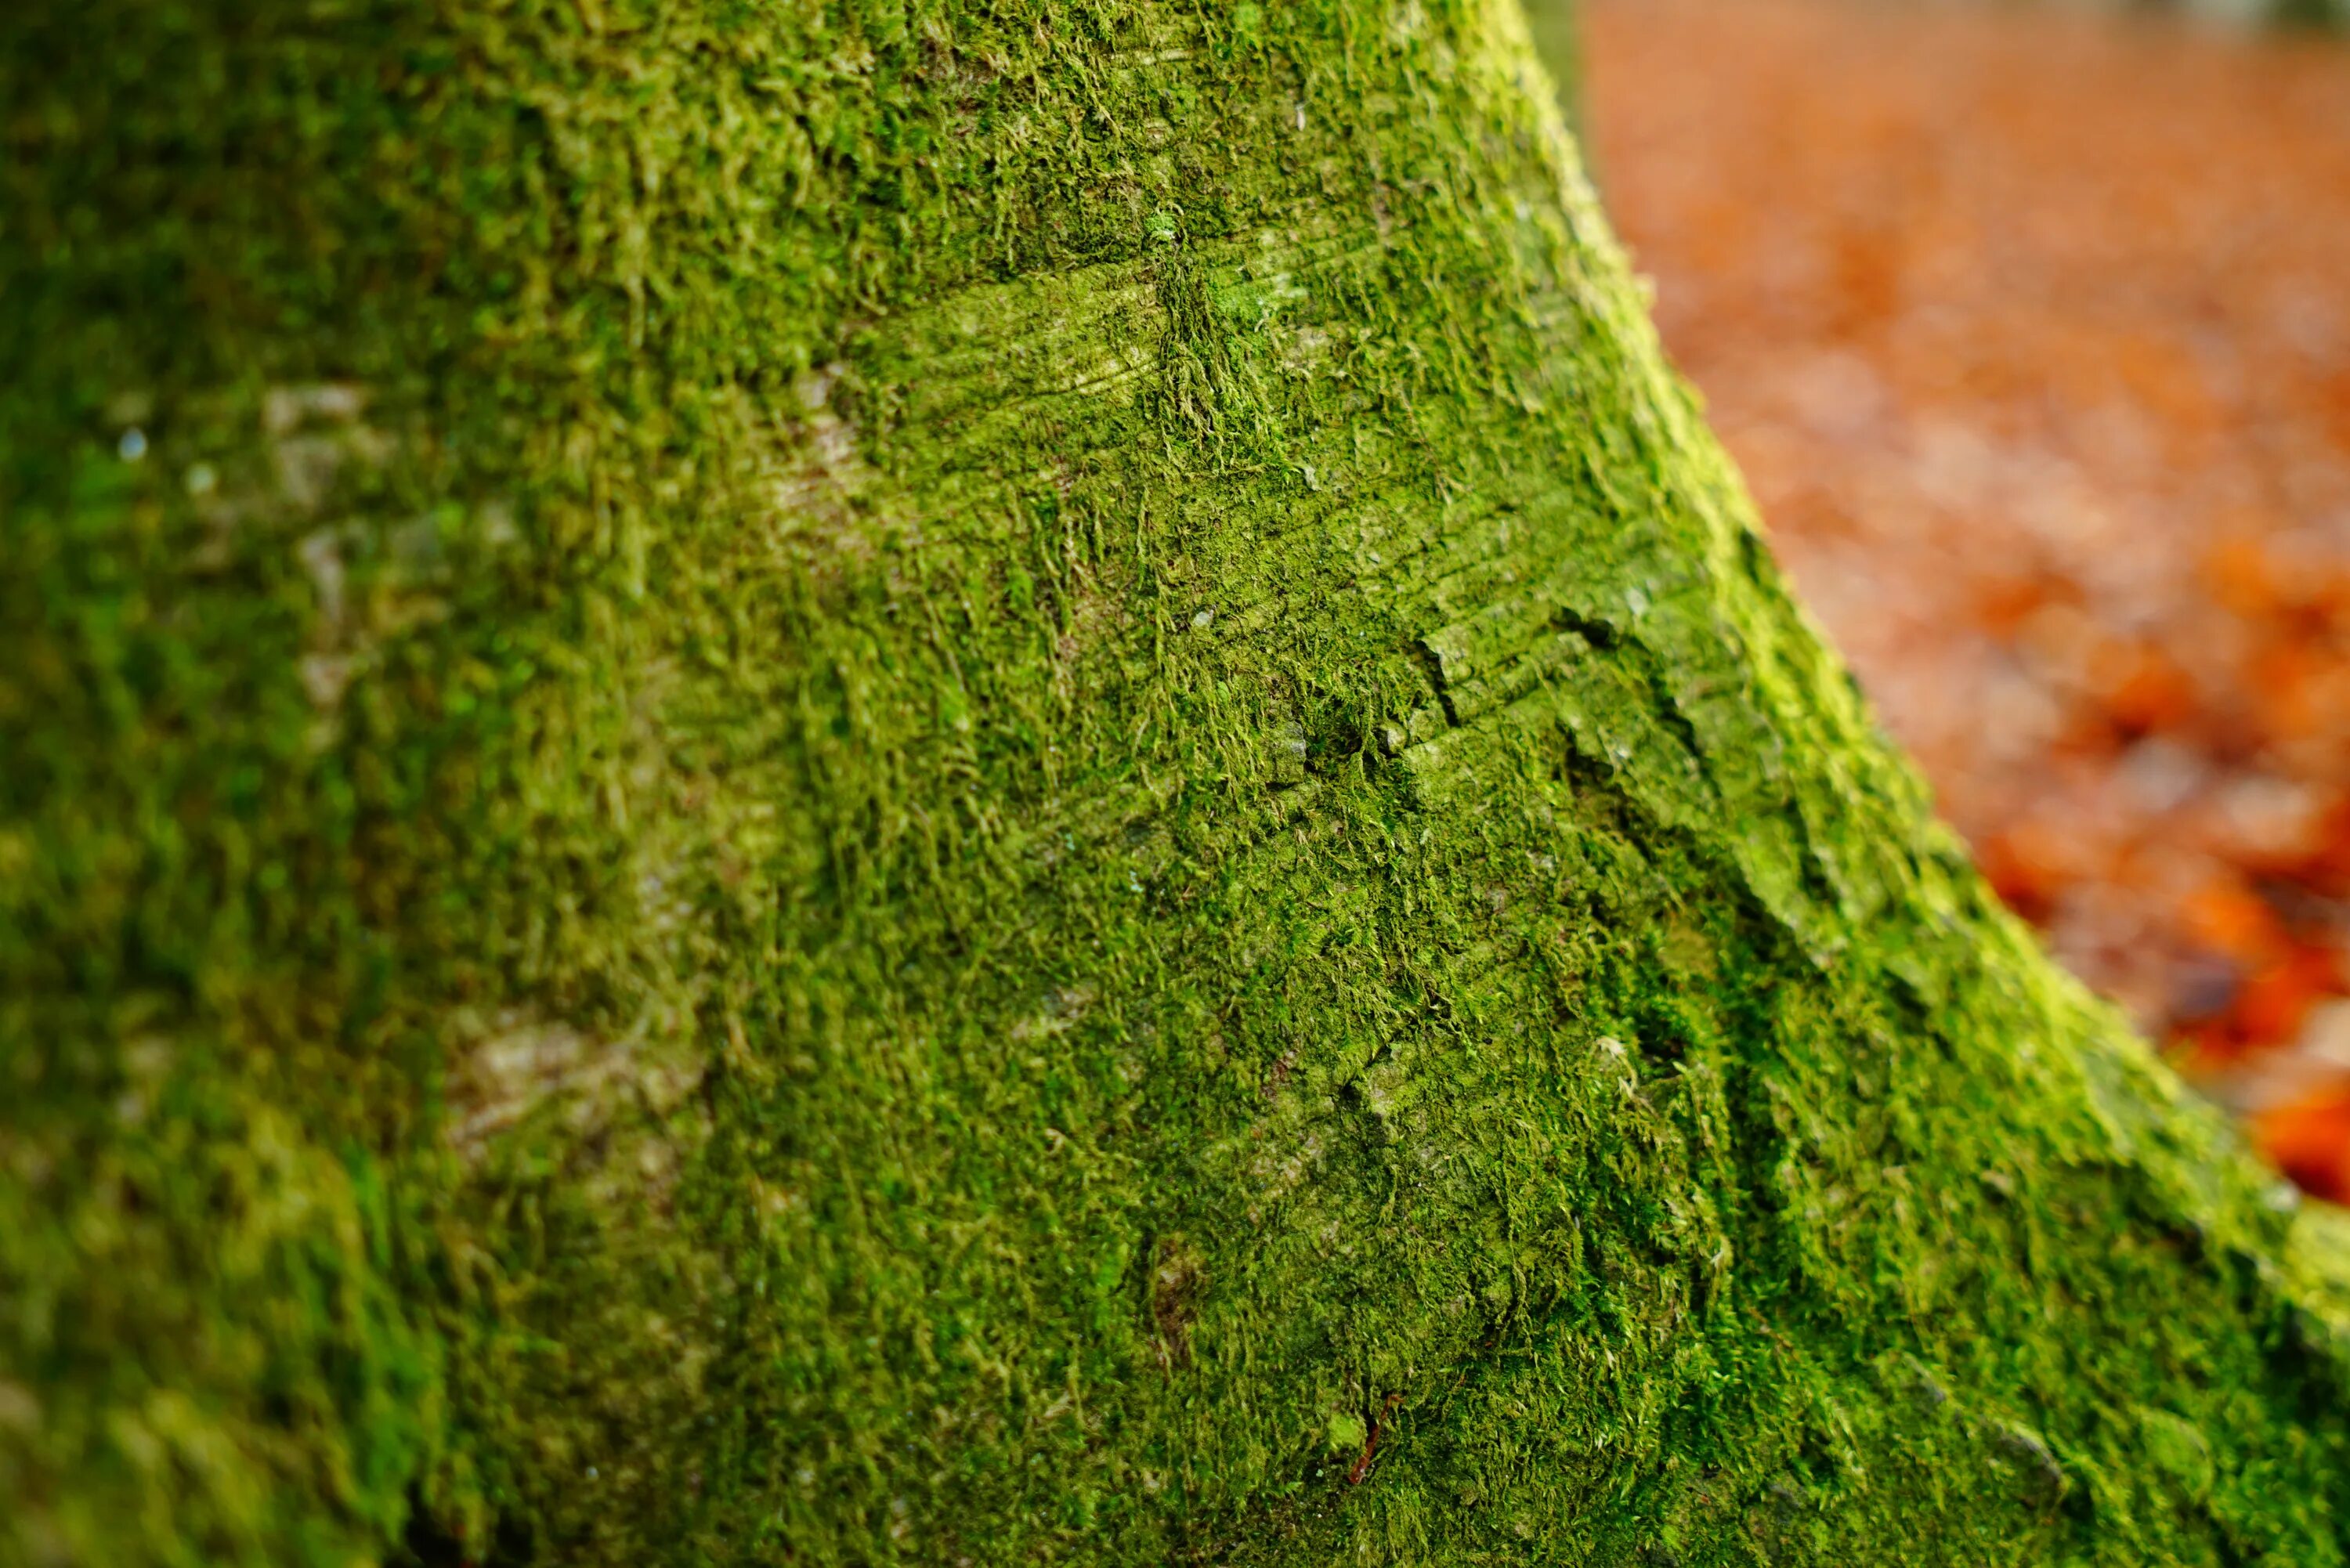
[{"x": 934, "y": 783}]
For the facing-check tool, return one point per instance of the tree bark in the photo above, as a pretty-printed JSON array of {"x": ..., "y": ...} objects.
[{"x": 978, "y": 783}]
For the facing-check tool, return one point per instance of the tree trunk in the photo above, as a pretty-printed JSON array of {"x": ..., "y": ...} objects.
[{"x": 987, "y": 783}]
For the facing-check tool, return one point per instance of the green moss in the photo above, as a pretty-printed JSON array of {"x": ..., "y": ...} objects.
[
  {"x": 1558, "y": 34},
  {"x": 1000, "y": 784}
]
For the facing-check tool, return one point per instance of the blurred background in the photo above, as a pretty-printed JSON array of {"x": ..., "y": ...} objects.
[{"x": 2030, "y": 326}]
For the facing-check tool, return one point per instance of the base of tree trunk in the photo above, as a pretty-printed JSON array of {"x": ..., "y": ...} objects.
[{"x": 996, "y": 784}]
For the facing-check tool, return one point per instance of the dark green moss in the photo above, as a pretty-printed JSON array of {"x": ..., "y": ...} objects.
[{"x": 933, "y": 784}]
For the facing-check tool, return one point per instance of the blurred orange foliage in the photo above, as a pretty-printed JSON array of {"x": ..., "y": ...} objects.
[{"x": 2031, "y": 330}]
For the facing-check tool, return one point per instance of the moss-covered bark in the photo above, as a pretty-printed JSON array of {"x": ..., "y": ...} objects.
[
  {"x": 939, "y": 783},
  {"x": 1557, "y": 34}
]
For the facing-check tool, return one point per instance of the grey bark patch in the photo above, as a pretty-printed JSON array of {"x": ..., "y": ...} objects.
[{"x": 528, "y": 1066}]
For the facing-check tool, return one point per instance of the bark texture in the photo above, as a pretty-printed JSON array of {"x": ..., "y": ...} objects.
[{"x": 948, "y": 782}]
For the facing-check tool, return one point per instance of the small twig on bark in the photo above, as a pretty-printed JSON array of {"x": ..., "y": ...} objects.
[{"x": 1371, "y": 1442}]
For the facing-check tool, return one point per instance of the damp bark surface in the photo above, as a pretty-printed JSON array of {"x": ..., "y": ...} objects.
[{"x": 953, "y": 784}]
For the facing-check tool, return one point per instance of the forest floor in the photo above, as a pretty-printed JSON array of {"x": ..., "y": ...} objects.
[{"x": 2030, "y": 330}]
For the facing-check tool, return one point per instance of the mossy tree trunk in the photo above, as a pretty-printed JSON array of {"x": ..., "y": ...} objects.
[
  {"x": 979, "y": 784},
  {"x": 1557, "y": 34}
]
